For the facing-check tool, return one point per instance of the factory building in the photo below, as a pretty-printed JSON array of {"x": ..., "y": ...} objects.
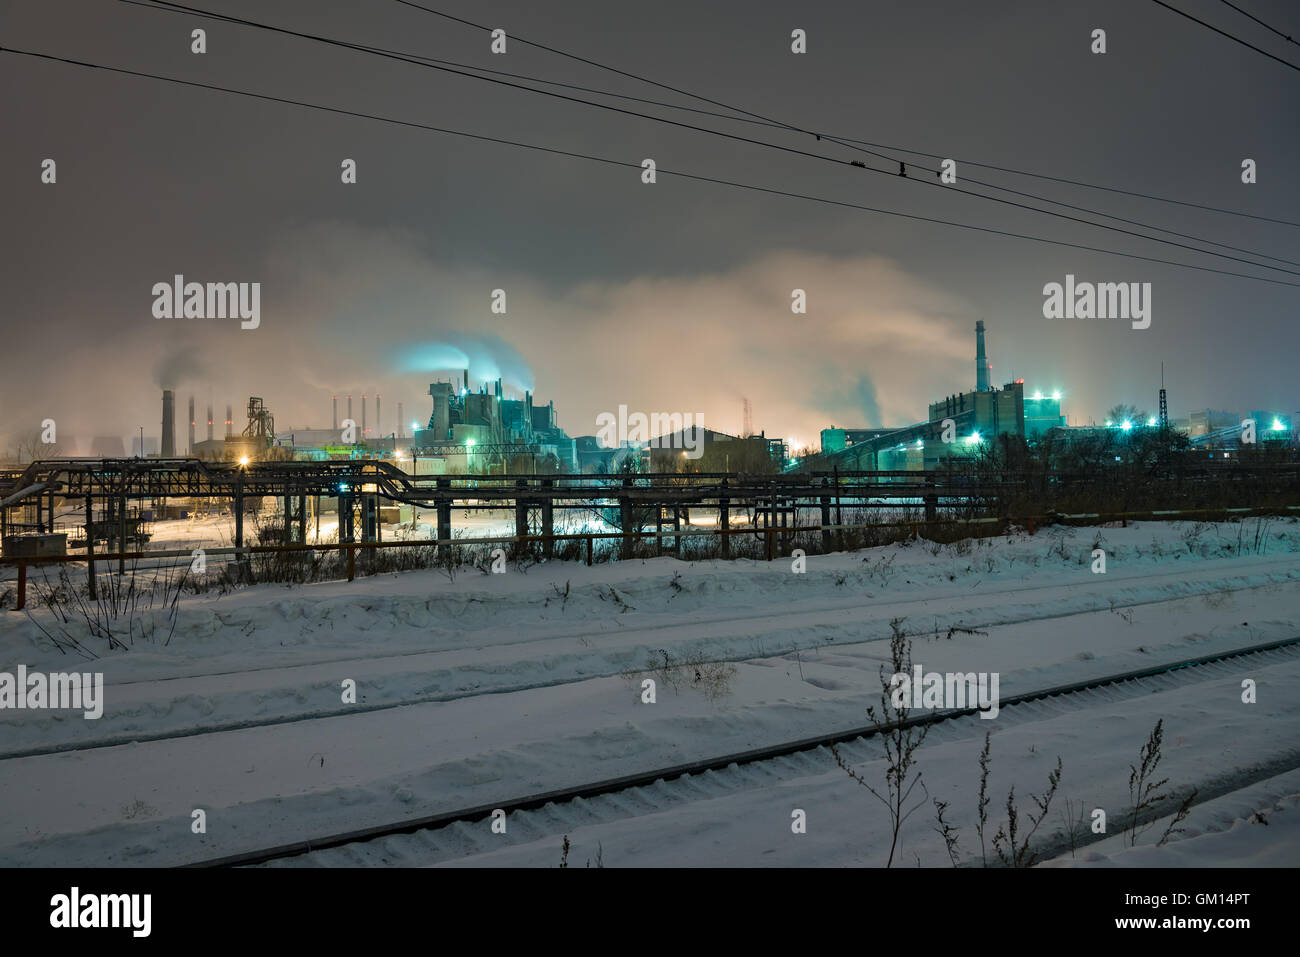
[
  {"x": 1042, "y": 412},
  {"x": 837, "y": 440},
  {"x": 481, "y": 431},
  {"x": 1205, "y": 421},
  {"x": 988, "y": 413},
  {"x": 968, "y": 419}
]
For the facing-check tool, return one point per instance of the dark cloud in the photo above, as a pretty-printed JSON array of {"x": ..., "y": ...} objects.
[{"x": 672, "y": 296}]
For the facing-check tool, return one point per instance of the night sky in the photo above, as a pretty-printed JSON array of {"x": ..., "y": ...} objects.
[{"x": 666, "y": 297}]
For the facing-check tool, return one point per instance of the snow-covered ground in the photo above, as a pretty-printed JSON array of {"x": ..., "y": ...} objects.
[{"x": 484, "y": 688}]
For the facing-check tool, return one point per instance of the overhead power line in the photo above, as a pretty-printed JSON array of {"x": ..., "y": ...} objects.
[
  {"x": 754, "y": 119},
  {"x": 633, "y": 165},
  {"x": 1225, "y": 33},
  {"x": 418, "y": 61},
  {"x": 1245, "y": 13},
  {"x": 748, "y": 116}
]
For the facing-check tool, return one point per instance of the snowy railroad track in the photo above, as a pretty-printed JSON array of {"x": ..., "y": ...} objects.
[
  {"x": 462, "y": 833},
  {"x": 178, "y": 707}
]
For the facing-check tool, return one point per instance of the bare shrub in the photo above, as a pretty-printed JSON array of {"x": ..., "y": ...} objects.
[{"x": 900, "y": 741}]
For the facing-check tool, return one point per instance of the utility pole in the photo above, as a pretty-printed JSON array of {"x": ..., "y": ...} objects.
[{"x": 1164, "y": 403}]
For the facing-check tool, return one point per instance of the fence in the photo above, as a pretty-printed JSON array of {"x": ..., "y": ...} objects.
[{"x": 770, "y": 535}]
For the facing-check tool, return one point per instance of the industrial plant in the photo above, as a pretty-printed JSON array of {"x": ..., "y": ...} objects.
[
  {"x": 516, "y": 435},
  {"x": 964, "y": 425}
]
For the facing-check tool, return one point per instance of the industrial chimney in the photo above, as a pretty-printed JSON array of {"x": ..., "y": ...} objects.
[
  {"x": 982, "y": 367},
  {"x": 379, "y": 418},
  {"x": 363, "y": 415},
  {"x": 230, "y": 422},
  {"x": 209, "y": 422},
  {"x": 401, "y": 422},
  {"x": 190, "y": 449},
  {"x": 168, "y": 425},
  {"x": 335, "y": 399}
]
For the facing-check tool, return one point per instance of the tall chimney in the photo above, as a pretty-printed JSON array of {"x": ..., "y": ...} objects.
[
  {"x": 350, "y": 409},
  {"x": 335, "y": 400},
  {"x": 363, "y": 415},
  {"x": 466, "y": 380},
  {"x": 190, "y": 450},
  {"x": 168, "y": 449},
  {"x": 379, "y": 417},
  {"x": 209, "y": 421},
  {"x": 230, "y": 422},
  {"x": 982, "y": 367},
  {"x": 401, "y": 422}
]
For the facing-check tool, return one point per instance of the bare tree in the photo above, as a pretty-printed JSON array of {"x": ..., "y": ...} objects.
[{"x": 900, "y": 739}]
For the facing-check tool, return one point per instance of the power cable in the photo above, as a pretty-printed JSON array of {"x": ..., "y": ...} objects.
[{"x": 635, "y": 165}]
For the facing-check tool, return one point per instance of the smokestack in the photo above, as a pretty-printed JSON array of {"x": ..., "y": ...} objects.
[
  {"x": 363, "y": 415},
  {"x": 982, "y": 367},
  {"x": 401, "y": 422},
  {"x": 335, "y": 399},
  {"x": 209, "y": 421},
  {"x": 190, "y": 450},
  {"x": 466, "y": 380},
  {"x": 230, "y": 422},
  {"x": 379, "y": 417},
  {"x": 168, "y": 449},
  {"x": 350, "y": 408}
]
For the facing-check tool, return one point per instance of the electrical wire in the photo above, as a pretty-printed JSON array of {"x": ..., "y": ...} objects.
[
  {"x": 634, "y": 165},
  {"x": 408, "y": 58}
]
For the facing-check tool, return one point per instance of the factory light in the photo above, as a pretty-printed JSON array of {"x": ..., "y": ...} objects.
[
  {"x": 920, "y": 443},
  {"x": 1109, "y": 423},
  {"x": 1278, "y": 426},
  {"x": 1057, "y": 395},
  {"x": 343, "y": 487},
  {"x": 1152, "y": 421},
  {"x": 243, "y": 461},
  {"x": 973, "y": 438},
  {"x": 469, "y": 443},
  {"x": 1126, "y": 425},
  {"x": 1038, "y": 397},
  {"x": 415, "y": 425},
  {"x": 399, "y": 454}
]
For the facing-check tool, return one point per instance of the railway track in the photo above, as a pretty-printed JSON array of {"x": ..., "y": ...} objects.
[
  {"x": 651, "y": 630},
  {"x": 426, "y": 838}
]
